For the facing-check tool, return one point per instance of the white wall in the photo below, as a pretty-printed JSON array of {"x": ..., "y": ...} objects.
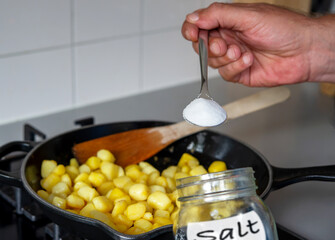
[{"x": 56, "y": 55}]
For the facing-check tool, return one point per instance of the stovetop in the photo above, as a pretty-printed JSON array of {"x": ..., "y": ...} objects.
[{"x": 297, "y": 133}]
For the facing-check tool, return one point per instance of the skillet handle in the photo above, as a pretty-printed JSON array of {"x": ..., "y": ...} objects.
[
  {"x": 286, "y": 176},
  {"x": 13, "y": 178}
]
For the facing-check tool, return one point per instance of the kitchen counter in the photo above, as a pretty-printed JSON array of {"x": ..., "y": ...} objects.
[{"x": 297, "y": 133}]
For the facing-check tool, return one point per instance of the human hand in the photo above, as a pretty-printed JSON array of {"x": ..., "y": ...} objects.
[{"x": 257, "y": 45}]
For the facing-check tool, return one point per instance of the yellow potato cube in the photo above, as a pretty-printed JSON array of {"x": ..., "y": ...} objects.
[
  {"x": 93, "y": 162},
  {"x": 179, "y": 175},
  {"x": 198, "y": 170},
  {"x": 102, "y": 204},
  {"x": 163, "y": 221},
  {"x": 139, "y": 192},
  {"x": 143, "y": 178},
  {"x": 115, "y": 193},
  {"x": 87, "y": 193},
  {"x": 66, "y": 178},
  {"x": 135, "y": 211},
  {"x": 72, "y": 171},
  {"x": 185, "y": 169},
  {"x": 217, "y": 166},
  {"x": 119, "y": 207},
  {"x": 133, "y": 171},
  {"x": 153, "y": 177},
  {"x": 143, "y": 224},
  {"x": 159, "y": 200},
  {"x": 162, "y": 213},
  {"x": 147, "y": 168},
  {"x": 47, "y": 167},
  {"x": 79, "y": 185},
  {"x": 103, "y": 217},
  {"x": 59, "y": 170},
  {"x": 123, "y": 219},
  {"x": 156, "y": 225},
  {"x": 157, "y": 188},
  {"x": 106, "y": 155},
  {"x": 170, "y": 172},
  {"x": 124, "y": 198},
  {"x": 121, "y": 181},
  {"x": 74, "y": 201},
  {"x": 51, "y": 180},
  {"x": 185, "y": 159},
  {"x": 59, "y": 202},
  {"x": 110, "y": 170},
  {"x": 148, "y": 216},
  {"x": 84, "y": 168},
  {"x": 105, "y": 187},
  {"x": 82, "y": 177},
  {"x": 61, "y": 189},
  {"x": 86, "y": 210},
  {"x": 171, "y": 184},
  {"x": 134, "y": 231},
  {"x": 96, "y": 178},
  {"x": 74, "y": 162},
  {"x": 43, "y": 194},
  {"x": 161, "y": 181}
]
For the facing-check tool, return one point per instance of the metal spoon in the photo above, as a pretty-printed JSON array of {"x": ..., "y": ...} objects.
[{"x": 204, "y": 111}]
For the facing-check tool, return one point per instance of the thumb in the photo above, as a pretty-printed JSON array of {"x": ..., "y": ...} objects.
[{"x": 224, "y": 15}]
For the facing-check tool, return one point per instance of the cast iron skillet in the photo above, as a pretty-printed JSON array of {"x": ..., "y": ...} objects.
[{"x": 206, "y": 146}]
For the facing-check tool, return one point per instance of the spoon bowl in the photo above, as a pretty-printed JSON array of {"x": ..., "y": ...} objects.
[{"x": 204, "y": 111}]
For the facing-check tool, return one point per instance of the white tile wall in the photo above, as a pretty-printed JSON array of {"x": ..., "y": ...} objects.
[{"x": 56, "y": 55}]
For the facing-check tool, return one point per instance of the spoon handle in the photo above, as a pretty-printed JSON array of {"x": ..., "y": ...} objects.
[{"x": 203, "y": 56}]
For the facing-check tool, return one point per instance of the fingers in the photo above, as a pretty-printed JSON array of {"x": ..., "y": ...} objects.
[
  {"x": 221, "y": 15},
  {"x": 233, "y": 71}
]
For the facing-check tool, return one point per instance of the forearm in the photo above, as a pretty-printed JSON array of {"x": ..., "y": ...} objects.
[{"x": 322, "y": 52}]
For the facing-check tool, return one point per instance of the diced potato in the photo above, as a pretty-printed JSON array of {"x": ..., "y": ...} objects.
[
  {"x": 163, "y": 221},
  {"x": 123, "y": 219},
  {"x": 105, "y": 187},
  {"x": 93, "y": 162},
  {"x": 143, "y": 178},
  {"x": 148, "y": 216},
  {"x": 127, "y": 186},
  {"x": 133, "y": 171},
  {"x": 185, "y": 169},
  {"x": 102, "y": 204},
  {"x": 143, "y": 224},
  {"x": 85, "y": 211},
  {"x": 106, "y": 155},
  {"x": 66, "y": 178},
  {"x": 115, "y": 193},
  {"x": 153, "y": 177},
  {"x": 61, "y": 189},
  {"x": 119, "y": 207},
  {"x": 87, "y": 193},
  {"x": 103, "y": 217},
  {"x": 179, "y": 175},
  {"x": 43, "y": 194},
  {"x": 135, "y": 211},
  {"x": 161, "y": 181},
  {"x": 51, "y": 180},
  {"x": 124, "y": 198},
  {"x": 110, "y": 170},
  {"x": 147, "y": 168},
  {"x": 162, "y": 213},
  {"x": 47, "y": 167},
  {"x": 121, "y": 181},
  {"x": 59, "y": 202},
  {"x": 217, "y": 166},
  {"x": 171, "y": 184},
  {"x": 84, "y": 168},
  {"x": 79, "y": 185},
  {"x": 139, "y": 191},
  {"x": 72, "y": 171},
  {"x": 75, "y": 201},
  {"x": 159, "y": 200},
  {"x": 170, "y": 172},
  {"x": 59, "y": 170},
  {"x": 185, "y": 159},
  {"x": 198, "y": 170},
  {"x": 134, "y": 231},
  {"x": 74, "y": 162},
  {"x": 157, "y": 188},
  {"x": 96, "y": 178},
  {"x": 82, "y": 177}
]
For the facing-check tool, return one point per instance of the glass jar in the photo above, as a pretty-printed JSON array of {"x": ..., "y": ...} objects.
[{"x": 222, "y": 206}]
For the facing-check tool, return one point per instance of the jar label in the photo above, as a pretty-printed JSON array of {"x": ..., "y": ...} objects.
[{"x": 247, "y": 226}]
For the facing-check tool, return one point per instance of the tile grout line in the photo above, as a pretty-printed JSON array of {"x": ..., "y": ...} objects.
[{"x": 73, "y": 58}]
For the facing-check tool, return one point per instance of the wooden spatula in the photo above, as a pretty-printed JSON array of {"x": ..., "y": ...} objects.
[{"x": 140, "y": 144}]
